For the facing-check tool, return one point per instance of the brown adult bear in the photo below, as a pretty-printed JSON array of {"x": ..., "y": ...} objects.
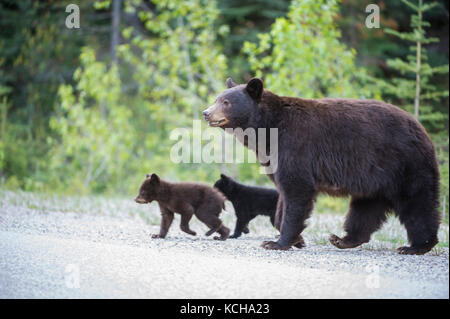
[
  {"x": 373, "y": 151},
  {"x": 186, "y": 199}
]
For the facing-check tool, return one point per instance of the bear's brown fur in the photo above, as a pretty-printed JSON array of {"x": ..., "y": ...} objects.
[
  {"x": 373, "y": 151},
  {"x": 186, "y": 199}
]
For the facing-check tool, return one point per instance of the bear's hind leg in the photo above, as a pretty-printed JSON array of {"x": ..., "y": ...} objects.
[
  {"x": 365, "y": 216},
  {"x": 206, "y": 215},
  {"x": 184, "y": 224},
  {"x": 421, "y": 220}
]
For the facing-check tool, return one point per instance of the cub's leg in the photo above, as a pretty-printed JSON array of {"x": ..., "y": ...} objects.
[
  {"x": 241, "y": 227},
  {"x": 186, "y": 216},
  {"x": 365, "y": 216},
  {"x": 224, "y": 233},
  {"x": 208, "y": 214},
  {"x": 166, "y": 221}
]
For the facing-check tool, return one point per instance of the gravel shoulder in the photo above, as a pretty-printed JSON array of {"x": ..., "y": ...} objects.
[{"x": 114, "y": 257}]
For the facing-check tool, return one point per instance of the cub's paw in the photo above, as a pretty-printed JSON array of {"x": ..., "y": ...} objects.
[
  {"x": 273, "y": 245},
  {"x": 219, "y": 238},
  {"x": 157, "y": 236},
  {"x": 405, "y": 250}
]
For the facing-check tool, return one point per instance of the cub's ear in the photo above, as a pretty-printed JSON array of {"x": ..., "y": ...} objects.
[
  {"x": 255, "y": 89},
  {"x": 223, "y": 176},
  {"x": 230, "y": 83},
  {"x": 154, "y": 179}
]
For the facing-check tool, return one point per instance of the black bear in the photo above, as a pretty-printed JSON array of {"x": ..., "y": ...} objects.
[
  {"x": 373, "y": 151},
  {"x": 248, "y": 202},
  {"x": 186, "y": 199}
]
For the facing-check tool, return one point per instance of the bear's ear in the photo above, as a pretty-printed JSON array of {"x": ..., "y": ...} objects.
[
  {"x": 223, "y": 176},
  {"x": 255, "y": 89},
  {"x": 230, "y": 83},
  {"x": 154, "y": 179}
]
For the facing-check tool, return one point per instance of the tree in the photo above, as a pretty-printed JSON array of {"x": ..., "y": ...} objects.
[
  {"x": 415, "y": 86},
  {"x": 302, "y": 54},
  {"x": 170, "y": 69},
  {"x": 93, "y": 147},
  {"x": 115, "y": 29}
]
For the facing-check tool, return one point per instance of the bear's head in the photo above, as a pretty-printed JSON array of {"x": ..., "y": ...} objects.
[
  {"x": 237, "y": 106},
  {"x": 225, "y": 184},
  {"x": 148, "y": 190}
]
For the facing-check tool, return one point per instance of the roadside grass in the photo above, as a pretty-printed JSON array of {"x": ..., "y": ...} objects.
[{"x": 327, "y": 218}]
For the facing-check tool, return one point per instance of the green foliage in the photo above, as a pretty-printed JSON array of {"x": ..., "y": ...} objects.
[
  {"x": 72, "y": 122},
  {"x": 443, "y": 156},
  {"x": 94, "y": 129},
  {"x": 37, "y": 54},
  {"x": 245, "y": 19},
  {"x": 110, "y": 134},
  {"x": 180, "y": 66},
  {"x": 417, "y": 71},
  {"x": 302, "y": 54}
]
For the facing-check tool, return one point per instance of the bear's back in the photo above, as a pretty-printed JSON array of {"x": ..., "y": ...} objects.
[
  {"x": 196, "y": 194},
  {"x": 346, "y": 142}
]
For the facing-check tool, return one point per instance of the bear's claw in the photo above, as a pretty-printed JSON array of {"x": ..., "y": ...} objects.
[
  {"x": 300, "y": 243},
  {"x": 342, "y": 243},
  {"x": 335, "y": 241},
  {"x": 405, "y": 250},
  {"x": 272, "y": 245}
]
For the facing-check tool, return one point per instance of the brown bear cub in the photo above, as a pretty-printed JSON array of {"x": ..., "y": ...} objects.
[{"x": 186, "y": 199}]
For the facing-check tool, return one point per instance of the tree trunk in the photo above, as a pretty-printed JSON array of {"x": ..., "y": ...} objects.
[
  {"x": 419, "y": 58},
  {"x": 115, "y": 29}
]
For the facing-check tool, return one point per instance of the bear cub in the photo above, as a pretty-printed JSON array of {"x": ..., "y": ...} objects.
[
  {"x": 186, "y": 199},
  {"x": 248, "y": 202}
]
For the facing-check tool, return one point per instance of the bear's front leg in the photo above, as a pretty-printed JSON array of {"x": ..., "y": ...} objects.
[
  {"x": 297, "y": 205},
  {"x": 276, "y": 221},
  {"x": 241, "y": 225},
  {"x": 166, "y": 221},
  {"x": 278, "y": 214}
]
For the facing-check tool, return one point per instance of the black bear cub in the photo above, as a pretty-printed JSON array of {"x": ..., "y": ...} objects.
[
  {"x": 186, "y": 199},
  {"x": 248, "y": 202}
]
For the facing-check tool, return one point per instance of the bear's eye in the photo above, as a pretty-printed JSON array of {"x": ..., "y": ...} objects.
[{"x": 226, "y": 102}]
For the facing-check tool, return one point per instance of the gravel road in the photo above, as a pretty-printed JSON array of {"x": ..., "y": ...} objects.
[{"x": 71, "y": 255}]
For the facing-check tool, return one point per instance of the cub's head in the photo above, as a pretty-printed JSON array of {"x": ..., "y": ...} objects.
[
  {"x": 236, "y": 106},
  {"x": 148, "y": 190},
  {"x": 225, "y": 184}
]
